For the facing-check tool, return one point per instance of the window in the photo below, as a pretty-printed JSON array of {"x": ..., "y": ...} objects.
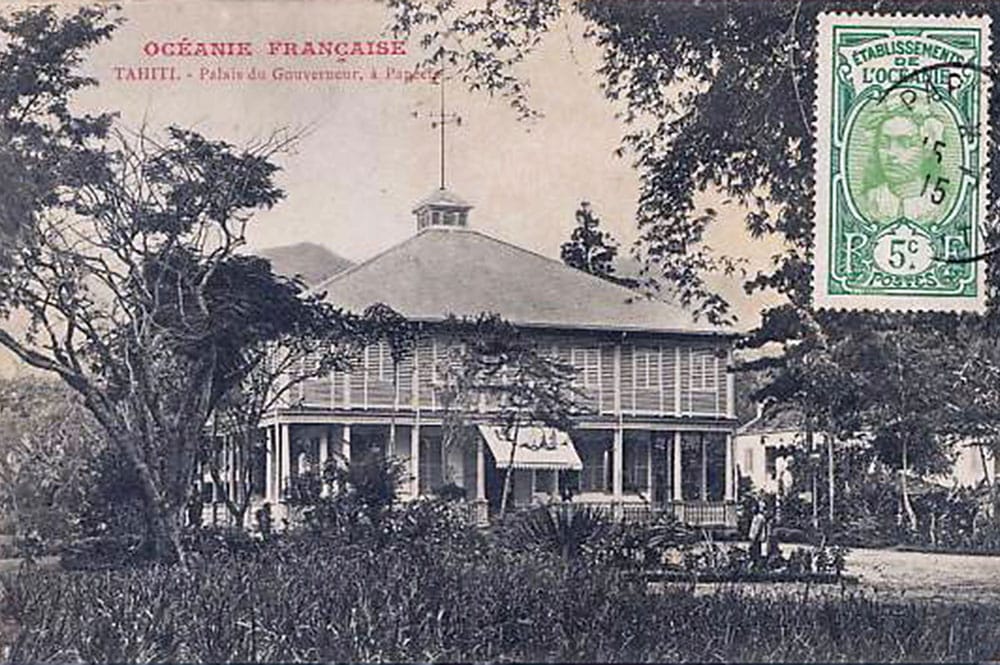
[
  {"x": 587, "y": 363},
  {"x": 771, "y": 462},
  {"x": 431, "y": 464},
  {"x": 378, "y": 363},
  {"x": 703, "y": 466},
  {"x": 384, "y": 362},
  {"x": 594, "y": 449},
  {"x": 704, "y": 370},
  {"x": 748, "y": 460},
  {"x": 636, "y": 463},
  {"x": 647, "y": 367},
  {"x": 545, "y": 481}
]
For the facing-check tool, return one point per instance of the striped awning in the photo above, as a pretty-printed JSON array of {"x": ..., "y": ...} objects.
[{"x": 537, "y": 448}]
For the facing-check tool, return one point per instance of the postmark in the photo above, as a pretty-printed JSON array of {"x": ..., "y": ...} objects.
[{"x": 901, "y": 188}]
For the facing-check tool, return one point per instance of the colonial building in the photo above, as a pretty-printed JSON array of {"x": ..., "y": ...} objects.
[
  {"x": 657, "y": 434},
  {"x": 764, "y": 448}
]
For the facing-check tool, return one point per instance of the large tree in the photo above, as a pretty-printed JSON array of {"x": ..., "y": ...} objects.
[{"x": 128, "y": 262}]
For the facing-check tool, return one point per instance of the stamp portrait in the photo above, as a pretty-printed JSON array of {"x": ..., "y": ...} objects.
[{"x": 900, "y": 194}]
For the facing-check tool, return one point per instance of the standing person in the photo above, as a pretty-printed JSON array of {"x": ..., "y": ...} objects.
[
  {"x": 770, "y": 540},
  {"x": 758, "y": 539}
]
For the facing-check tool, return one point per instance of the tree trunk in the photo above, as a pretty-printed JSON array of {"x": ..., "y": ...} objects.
[
  {"x": 164, "y": 517},
  {"x": 911, "y": 515},
  {"x": 508, "y": 475},
  {"x": 165, "y": 532}
]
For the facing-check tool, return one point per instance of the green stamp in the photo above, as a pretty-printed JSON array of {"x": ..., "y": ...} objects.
[{"x": 900, "y": 162}]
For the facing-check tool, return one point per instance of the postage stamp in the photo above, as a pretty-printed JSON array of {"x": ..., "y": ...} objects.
[{"x": 901, "y": 187}]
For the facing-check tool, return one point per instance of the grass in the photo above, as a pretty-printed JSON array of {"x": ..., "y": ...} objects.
[{"x": 413, "y": 601}]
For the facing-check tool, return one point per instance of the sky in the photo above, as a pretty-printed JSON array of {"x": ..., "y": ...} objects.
[{"x": 367, "y": 152}]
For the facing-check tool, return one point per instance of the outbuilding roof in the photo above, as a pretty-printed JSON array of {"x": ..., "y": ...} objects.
[{"x": 442, "y": 271}]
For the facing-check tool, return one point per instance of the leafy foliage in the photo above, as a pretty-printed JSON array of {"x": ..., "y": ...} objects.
[
  {"x": 592, "y": 250},
  {"x": 44, "y": 146},
  {"x": 566, "y": 531},
  {"x": 59, "y": 479},
  {"x": 491, "y": 369}
]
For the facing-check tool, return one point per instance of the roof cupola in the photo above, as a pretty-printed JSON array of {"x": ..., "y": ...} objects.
[{"x": 442, "y": 208}]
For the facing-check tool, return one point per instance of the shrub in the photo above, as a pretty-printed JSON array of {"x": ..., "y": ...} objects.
[
  {"x": 59, "y": 480},
  {"x": 363, "y": 492},
  {"x": 564, "y": 529},
  {"x": 103, "y": 553},
  {"x": 640, "y": 545},
  {"x": 590, "y": 534}
]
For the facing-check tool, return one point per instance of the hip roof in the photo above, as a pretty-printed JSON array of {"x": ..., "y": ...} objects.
[{"x": 461, "y": 272}]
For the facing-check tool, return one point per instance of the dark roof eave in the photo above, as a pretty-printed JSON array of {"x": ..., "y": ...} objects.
[{"x": 600, "y": 328}]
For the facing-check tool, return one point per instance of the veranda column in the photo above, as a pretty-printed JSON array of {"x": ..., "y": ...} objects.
[
  {"x": 730, "y": 489},
  {"x": 234, "y": 473},
  {"x": 730, "y": 387},
  {"x": 676, "y": 460},
  {"x": 415, "y": 430},
  {"x": 480, "y": 471},
  {"x": 345, "y": 443},
  {"x": 415, "y": 459},
  {"x": 269, "y": 465},
  {"x": 618, "y": 466},
  {"x": 324, "y": 455},
  {"x": 285, "y": 469},
  {"x": 617, "y": 461},
  {"x": 480, "y": 509}
]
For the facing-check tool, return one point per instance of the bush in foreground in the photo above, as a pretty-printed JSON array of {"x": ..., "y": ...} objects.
[{"x": 314, "y": 600}]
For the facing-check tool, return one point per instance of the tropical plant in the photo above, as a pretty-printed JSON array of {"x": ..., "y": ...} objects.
[{"x": 564, "y": 530}]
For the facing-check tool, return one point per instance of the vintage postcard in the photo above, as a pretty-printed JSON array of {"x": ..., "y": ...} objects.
[
  {"x": 499, "y": 331},
  {"x": 901, "y": 187}
]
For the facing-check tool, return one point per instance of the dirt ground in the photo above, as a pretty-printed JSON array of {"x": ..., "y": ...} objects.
[
  {"x": 893, "y": 575},
  {"x": 950, "y": 577}
]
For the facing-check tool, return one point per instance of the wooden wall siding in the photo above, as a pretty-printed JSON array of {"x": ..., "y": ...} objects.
[
  {"x": 706, "y": 379},
  {"x": 683, "y": 356},
  {"x": 628, "y": 378},
  {"x": 607, "y": 397},
  {"x": 405, "y": 381},
  {"x": 316, "y": 391},
  {"x": 379, "y": 372},
  {"x": 656, "y": 378},
  {"x": 427, "y": 359},
  {"x": 668, "y": 379}
]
